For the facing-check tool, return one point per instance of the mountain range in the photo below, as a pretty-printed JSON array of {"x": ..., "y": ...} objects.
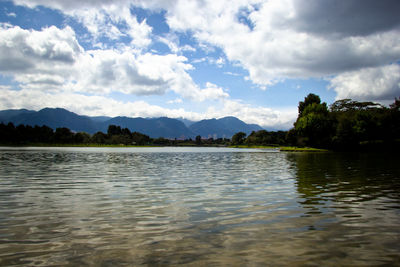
[{"x": 154, "y": 127}]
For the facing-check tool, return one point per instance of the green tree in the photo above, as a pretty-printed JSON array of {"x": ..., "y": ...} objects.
[
  {"x": 360, "y": 123},
  {"x": 140, "y": 139},
  {"x": 261, "y": 137},
  {"x": 43, "y": 134},
  {"x": 114, "y": 130},
  {"x": 7, "y": 133},
  {"x": 347, "y": 105},
  {"x": 82, "y": 138},
  {"x": 238, "y": 138},
  {"x": 126, "y": 132},
  {"x": 308, "y": 100},
  {"x": 314, "y": 123},
  {"x": 345, "y": 133},
  {"x": 198, "y": 140},
  {"x": 63, "y": 136},
  {"x": 391, "y": 121},
  {"x": 264, "y": 137},
  {"x": 99, "y": 138},
  {"x": 161, "y": 141}
]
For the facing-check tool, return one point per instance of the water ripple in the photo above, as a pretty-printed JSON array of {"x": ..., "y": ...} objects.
[{"x": 77, "y": 206}]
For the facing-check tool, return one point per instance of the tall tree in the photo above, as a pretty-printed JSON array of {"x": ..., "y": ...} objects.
[
  {"x": 198, "y": 140},
  {"x": 313, "y": 123},
  {"x": 308, "y": 100},
  {"x": 114, "y": 130}
]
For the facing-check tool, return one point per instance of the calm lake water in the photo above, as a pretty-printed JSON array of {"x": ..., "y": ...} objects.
[{"x": 197, "y": 206}]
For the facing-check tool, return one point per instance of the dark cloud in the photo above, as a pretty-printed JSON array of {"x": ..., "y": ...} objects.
[
  {"x": 10, "y": 64},
  {"x": 346, "y": 17}
]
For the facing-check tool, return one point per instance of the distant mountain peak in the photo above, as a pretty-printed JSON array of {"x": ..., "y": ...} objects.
[
  {"x": 229, "y": 117},
  {"x": 223, "y": 127}
]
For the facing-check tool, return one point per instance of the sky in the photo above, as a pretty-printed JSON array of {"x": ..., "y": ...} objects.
[{"x": 203, "y": 59}]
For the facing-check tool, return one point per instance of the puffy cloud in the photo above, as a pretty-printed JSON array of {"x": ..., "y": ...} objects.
[
  {"x": 62, "y": 5},
  {"x": 40, "y": 59},
  {"x": 141, "y": 74},
  {"x": 21, "y": 50},
  {"x": 114, "y": 22},
  {"x": 378, "y": 84},
  {"x": 211, "y": 92},
  {"x": 104, "y": 71},
  {"x": 52, "y": 59},
  {"x": 277, "y": 40},
  {"x": 111, "y": 19},
  {"x": 172, "y": 41}
]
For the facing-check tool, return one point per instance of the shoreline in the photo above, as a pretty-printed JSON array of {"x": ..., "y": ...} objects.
[
  {"x": 279, "y": 148},
  {"x": 284, "y": 148}
]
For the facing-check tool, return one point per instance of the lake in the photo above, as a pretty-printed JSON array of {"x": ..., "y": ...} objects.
[{"x": 197, "y": 206}]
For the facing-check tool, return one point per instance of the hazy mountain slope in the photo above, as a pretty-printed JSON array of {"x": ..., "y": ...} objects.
[
  {"x": 154, "y": 127},
  {"x": 224, "y": 127},
  {"x": 7, "y": 115},
  {"x": 55, "y": 118}
]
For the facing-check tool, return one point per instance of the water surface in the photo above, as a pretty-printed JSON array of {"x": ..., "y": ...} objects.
[{"x": 197, "y": 206}]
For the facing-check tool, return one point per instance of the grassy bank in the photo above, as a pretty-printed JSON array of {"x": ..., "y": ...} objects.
[
  {"x": 301, "y": 149},
  {"x": 284, "y": 148}
]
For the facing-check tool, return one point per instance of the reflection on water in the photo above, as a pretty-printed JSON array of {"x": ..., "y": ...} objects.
[{"x": 197, "y": 207}]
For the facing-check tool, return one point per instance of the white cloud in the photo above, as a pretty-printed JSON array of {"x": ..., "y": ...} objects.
[
  {"x": 232, "y": 73},
  {"x": 175, "y": 101},
  {"x": 23, "y": 49},
  {"x": 173, "y": 43},
  {"x": 52, "y": 59},
  {"x": 104, "y": 71},
  {"x": 114, "y": 22},
  {"x": 211, "y": 92},
  {"x": 281, "y": 38},
  {"x": 284, "y": 38},
  {"x": 219, "y": 62},
  {"x": 40, "y": 59},
  {"x": 263, "y": 116},
  {"x": 378, "y": 84},
  {"x": 188, "y": 48},
  {"x": 111, "y": 19},
  {"x": 5, "y": 87}
]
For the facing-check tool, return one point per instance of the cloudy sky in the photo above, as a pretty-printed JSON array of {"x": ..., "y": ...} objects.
[{"x": 199, "y": 59}]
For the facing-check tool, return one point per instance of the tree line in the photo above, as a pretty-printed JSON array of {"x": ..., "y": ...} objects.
[
  {"x": 344, "y": 125},
  {"x": 44, "y": 135}
]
